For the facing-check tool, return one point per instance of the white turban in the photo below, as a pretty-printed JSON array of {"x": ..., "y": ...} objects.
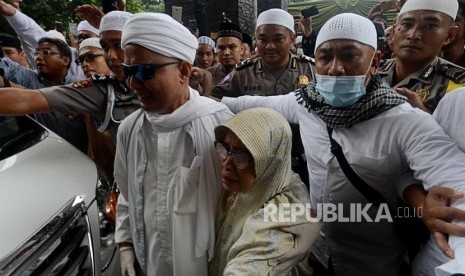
[
  {"x": 276, "y": 17},
  {"x": 114, "y": 21},
  {"x": 161, "y": 34},
  {"x": 92, "y": 42},
  {"x": 449, "y": 7},
  {"x": 85, "y": 26},
  {"x": 348, "y": 26}
]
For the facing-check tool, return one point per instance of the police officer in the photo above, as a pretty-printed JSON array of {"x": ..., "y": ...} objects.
[
  {"x": 229, "y": 49},
  {"x": 421, "y": 30},
  {"x": 275, "y": 72}
]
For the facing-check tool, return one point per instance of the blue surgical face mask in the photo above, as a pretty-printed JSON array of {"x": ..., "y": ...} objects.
[{"x": 341, "y": 91}]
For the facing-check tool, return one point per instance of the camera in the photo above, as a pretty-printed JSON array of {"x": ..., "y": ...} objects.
[{"x": 310, "y": 11}]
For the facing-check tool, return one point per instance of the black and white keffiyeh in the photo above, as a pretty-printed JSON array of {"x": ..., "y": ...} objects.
[{"x": 379, "y": 98}]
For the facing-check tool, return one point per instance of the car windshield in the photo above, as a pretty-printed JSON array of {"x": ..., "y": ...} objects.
[{"x": 17, "y": 134}]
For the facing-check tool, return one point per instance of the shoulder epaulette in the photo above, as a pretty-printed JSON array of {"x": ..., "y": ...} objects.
[
  {"x": 244, "y": 64},
  {"x": 120, "y": 88},
  {"x": 103, "y": 78},
  {"x": 453, "y": 72}
]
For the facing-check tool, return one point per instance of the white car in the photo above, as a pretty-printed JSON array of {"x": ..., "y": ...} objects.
[{"x": 50, "y": 222}]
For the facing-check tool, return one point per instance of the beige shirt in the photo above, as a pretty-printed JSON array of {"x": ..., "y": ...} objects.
[
  {"x": 253, "y": 78},
  {"x": 431, "y": 82}
]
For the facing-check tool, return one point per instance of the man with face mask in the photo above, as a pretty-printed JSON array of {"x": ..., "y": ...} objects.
[{"x": 381, "y": 136}]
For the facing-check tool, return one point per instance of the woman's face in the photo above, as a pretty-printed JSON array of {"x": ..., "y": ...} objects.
[{"x": 237, "y": 166}]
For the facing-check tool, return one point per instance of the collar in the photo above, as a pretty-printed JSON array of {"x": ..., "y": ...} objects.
[{"x": 291, "y": 65}]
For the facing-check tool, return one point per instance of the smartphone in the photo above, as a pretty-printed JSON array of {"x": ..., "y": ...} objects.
[
  {"x": 72, "y": 28},
  {"x": 59, "y": 26},
  {"x": 107, "y": 6},
  {"x": 310, "y": 11},
  {"x": 177, "y": 13},
  {"x": 193, "y": 25}
]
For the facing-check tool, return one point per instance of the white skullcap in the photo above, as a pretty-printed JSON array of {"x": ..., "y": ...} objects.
[
  {"x": 85, "y": 26},
  {"x": 348, "y": 26},
  {"x": 449, "y": 7},
  {"x": 298, "y": 39},
  {"x": 114, "y": 21},
  {"x": 276, "y": 17},
  {"x": 208, "y": 41},
  {"x": 56, "y": 34},
  {"x": 92, "y": 42},
  {"x": 161, "y": 34}
]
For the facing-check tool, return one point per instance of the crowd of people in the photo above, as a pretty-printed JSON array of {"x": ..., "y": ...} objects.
[{"x": 203, "y": 135}]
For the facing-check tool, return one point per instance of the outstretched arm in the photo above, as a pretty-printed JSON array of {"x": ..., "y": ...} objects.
[
  {"x": 19, "y": 101},
  {"x": 28, "y": 31}
]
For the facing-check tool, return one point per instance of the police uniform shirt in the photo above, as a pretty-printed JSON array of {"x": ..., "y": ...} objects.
[
  {"x": 251, "y": 77},
  {"x": 218, "y": 73},
  {"x": 431, "y": 83},
  {"x": 91, "y": 97}
]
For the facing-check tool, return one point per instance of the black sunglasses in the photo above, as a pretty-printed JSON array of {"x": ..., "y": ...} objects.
[
  {"x": 88, "y": 58},
  {"x": 143, "y": 72}
]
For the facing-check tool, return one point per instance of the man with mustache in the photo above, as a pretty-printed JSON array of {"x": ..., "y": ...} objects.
[{"x": 421, "y": 30}]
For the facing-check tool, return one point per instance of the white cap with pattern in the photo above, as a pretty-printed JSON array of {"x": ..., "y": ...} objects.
[
  {"x": 85, "y": 26},
  {"x": 348, "y": 26},
  {"x": 114, "y": 21},
  {"x": 208, "y": 41},
  {"x": 161, "y": 34},
  {"x": 92, "y": 42},
  {"x": 276, "y": 17},
  {"x": 449, "y": 7}
]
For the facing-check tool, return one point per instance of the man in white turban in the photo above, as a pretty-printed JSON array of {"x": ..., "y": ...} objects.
[
  {"x": 166, "y": 165},
  {"x": 381, "y": 138}
]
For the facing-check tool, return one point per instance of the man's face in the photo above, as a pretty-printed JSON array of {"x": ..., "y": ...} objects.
[
  {"x": 274, "y": 44},
  {"x": 84, "y": 35},
  {"x": 113, "y": 53},
  {"x": 49, "y": 61},
  {"x": 166, "y": 91},
  {"x": 229, "y": 50},
  {"x": 204, "y": 56},
  {"x": 15, "y": 55},
  {"x": 342, "y": 57},
  {"x": 418, "y": 36},
  {"x": 92, "y": 61}
]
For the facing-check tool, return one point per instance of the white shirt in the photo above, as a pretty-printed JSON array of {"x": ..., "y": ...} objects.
[
  {"x": 451, "y": 116},
  {"x": 159, "y": 172}
]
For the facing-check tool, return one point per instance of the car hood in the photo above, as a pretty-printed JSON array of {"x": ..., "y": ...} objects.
[{"x": 36, "y": 183}]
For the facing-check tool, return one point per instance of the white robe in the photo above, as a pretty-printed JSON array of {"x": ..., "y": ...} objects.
[{"x": 167, "y": 169}]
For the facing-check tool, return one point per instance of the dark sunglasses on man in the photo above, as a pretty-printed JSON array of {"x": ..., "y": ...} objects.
[
  {"x": 143, "y": 72},
  {"x": 88, "y": 58}
]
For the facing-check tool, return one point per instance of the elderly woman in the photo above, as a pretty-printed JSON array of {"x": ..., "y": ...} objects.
[{"x": 254, "y": 148}]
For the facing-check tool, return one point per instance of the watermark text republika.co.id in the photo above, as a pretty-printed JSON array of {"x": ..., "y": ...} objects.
[{"x": 332, "y": 212}]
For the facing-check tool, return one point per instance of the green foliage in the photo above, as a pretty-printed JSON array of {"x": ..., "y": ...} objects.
[{"x": 47, "y": 12}]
